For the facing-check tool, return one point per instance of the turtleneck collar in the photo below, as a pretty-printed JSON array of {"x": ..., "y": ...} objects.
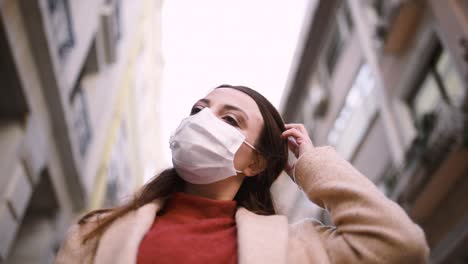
[{"x": 181, "y": 205}]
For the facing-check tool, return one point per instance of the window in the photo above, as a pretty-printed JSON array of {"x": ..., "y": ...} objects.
[
  {"x": 118, "y": 172},
  {"x": 427, "y": 98},
  {"x": 378, "y": 11},
  {"x": 461, "y": 7},
  {"x": 356, "y": 115},
  {"x": 449, "y": 78},
  {"x": 118, "y": 17},
  {"x": 60, "y": 22},
  {"x": 115, "y": 7},
  {"x": 348, "y": 18},
  {"x": 37, "y": 228},
  {"x": 13, "y": 104},
  {"x": 341, "y": 30},
  {"x": 378, "y": 7},
  {"x": 80, "y": 121},
  {"x": 334, "y": 50},
  {"x": 440, "y": 84},
  {"x": 111, "y": 29},
  {"x": 379, "y": 16}
]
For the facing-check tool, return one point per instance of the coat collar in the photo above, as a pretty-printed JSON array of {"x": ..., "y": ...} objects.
[
  {"x": 119, "y": 243},
  {"x": 261, "y": 239}
]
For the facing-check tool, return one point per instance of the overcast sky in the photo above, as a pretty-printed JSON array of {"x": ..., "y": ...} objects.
[{"x": 210, "y": 42}]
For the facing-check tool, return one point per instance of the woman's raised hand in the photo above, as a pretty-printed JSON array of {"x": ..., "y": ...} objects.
[{"x": 298, "y": 141}]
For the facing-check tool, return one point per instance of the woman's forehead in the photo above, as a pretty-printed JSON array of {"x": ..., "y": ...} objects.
[{"x": 228, "y": 96}]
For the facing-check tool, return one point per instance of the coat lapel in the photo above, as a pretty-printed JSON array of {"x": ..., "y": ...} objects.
[
  {"x": 119, "y": 243},
  {"x": 261, "y": 239}
]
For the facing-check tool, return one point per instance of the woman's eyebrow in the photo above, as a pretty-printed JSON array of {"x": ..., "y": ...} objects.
[
  {"x": 225, "y": 106},
  {"x": 235, "y": 108},
  {"x": 203, "y": 100}
]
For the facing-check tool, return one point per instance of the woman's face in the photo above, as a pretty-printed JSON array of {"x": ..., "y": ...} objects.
[{"x": 240, "y": 111}]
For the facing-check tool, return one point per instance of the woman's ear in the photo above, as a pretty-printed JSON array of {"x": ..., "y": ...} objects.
[{"x": 256, "y": 166}]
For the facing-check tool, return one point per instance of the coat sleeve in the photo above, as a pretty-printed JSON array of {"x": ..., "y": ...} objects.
[
  {"x": 367, "y": 227},
  {"x": 72, "y": 250}
]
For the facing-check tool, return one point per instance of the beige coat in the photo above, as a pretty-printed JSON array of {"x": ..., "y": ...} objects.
[{"x": 368, "y": 227}]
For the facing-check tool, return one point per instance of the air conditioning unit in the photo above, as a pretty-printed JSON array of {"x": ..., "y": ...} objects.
[
  {"x": 96, "y": 58},
  {"x": 110, "y": 29}
]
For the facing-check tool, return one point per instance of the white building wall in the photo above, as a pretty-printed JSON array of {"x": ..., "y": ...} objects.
[{"x": 35, "y": 177}]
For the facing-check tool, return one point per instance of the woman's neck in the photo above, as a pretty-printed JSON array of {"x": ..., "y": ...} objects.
[{"x": 222, "y": 190}]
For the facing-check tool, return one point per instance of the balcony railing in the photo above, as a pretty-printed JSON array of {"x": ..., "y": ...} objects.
[
  {"x": 395, "y": 22},
  {"x": 439, "y": 133}
]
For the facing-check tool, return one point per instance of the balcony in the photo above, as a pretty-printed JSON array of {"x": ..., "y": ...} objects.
[
  {"x": 434, "y": 161},
  {"x": 395, "y": 23}
]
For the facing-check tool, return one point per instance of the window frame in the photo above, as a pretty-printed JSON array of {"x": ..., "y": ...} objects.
[
  {"x": 341, "y": 30},
  {"x": 364, "y": 104},
  {"x": 430, "y": 69}
]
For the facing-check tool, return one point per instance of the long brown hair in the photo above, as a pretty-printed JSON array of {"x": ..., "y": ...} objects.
[{"x": 254, "y": 193}]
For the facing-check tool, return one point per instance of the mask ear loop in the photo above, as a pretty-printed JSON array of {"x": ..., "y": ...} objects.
[{"x": 252, "y": 147}]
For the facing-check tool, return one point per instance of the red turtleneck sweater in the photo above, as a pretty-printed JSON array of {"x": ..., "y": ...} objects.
[{"x": 191, "y": 229}]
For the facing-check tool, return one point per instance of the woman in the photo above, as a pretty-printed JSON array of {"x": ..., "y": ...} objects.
[{"x": 215, "y": 205}]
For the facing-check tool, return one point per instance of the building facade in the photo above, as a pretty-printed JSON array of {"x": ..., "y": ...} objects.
[
  {"x": 78, "y": 102},
  {"x": 385, "y": 83}
]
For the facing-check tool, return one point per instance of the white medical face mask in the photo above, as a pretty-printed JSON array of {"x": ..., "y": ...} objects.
[{"x": 203, "y": 148}]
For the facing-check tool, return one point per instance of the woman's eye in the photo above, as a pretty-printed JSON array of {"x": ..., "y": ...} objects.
[
  {"x": 195, "y": 110},
  {"x": 230, "y": 120}
]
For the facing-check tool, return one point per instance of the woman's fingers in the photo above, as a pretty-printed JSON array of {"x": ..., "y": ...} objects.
[
  {"x": 298, "y": 142},
  {"x": 299, "y": 127},
  {"x": 293, "y": 146},
  {"x": 292, "y": 142},
  {"x": 292, "y": 132},
  {"x": 301, "y": 138}
]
